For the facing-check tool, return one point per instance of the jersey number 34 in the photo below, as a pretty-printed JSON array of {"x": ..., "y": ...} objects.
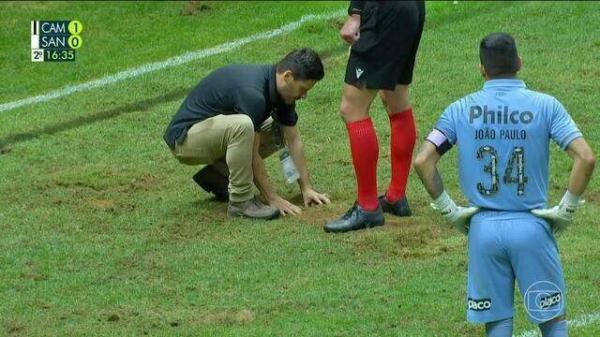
[{"x": 517, "y": 160}]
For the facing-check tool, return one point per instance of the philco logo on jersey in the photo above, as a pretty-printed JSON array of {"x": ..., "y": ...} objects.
[
  {"x": 479, "y": 304},
  {"x": 500, "y": 116},
  {"x": 550, "y": 300}
]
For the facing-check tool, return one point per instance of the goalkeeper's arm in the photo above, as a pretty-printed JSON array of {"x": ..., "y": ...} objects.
[
  {"x": 583, "y": 165},
  {"x": 584, "y": 162},
  {"x": 426, "y": 166}
]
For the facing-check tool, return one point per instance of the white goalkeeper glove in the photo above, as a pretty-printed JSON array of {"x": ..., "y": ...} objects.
[
  {"x": 560, "y": 216},
  {"x": 458, "y": 216}
]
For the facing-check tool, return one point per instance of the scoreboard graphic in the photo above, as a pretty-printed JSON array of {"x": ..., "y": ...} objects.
[{"x": 55, "y": 41}]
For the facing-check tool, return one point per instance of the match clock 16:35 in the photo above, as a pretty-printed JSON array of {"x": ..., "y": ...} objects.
[{"x": 59, "y": 55}]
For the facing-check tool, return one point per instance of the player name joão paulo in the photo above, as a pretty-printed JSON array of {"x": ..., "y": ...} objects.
[
  {"x": 503, "y": 115},
  {"x": 55, "y": 41}
]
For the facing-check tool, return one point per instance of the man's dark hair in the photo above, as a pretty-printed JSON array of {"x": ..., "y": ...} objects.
[
  {"x": 304, "y": 63},
  {"x": 498, "y": 54}
]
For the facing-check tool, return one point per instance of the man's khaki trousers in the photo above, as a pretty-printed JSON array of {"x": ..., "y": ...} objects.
[{"x": 226, "y": 142}]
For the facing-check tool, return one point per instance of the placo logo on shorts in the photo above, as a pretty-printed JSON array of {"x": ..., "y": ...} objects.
[
  {"x": 550, "y": 300},
  {"x": 543, "y": 300},
  {"x": 479, "y": 304}
]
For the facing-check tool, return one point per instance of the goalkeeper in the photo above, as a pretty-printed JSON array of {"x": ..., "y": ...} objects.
[{"x": 503, "y": 134}]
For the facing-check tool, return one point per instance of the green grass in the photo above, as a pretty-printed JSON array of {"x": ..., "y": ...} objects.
[{"x": 105, "y": 234}]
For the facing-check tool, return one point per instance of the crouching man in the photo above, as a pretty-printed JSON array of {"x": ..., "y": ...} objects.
[{"x": 231, "y": 118}]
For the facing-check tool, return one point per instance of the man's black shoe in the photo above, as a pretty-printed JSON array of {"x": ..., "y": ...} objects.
[
  {"x": 356, "y": 218},
  {"x": 212, "y": 181},
  {"x": 398, "y": 208}
]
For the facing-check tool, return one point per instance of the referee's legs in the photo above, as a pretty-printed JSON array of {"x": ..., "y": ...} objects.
[
  {"x": 364, "y": 146},
  {"x": 354, "y": 110},
  {"x": 397, "y": 100},
  {"x": 402, "y": 140}
]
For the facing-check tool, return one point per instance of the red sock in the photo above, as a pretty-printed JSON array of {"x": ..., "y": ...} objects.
[
  {"x": 402, "y": 144},
  {"x": 365, "y": 153}
]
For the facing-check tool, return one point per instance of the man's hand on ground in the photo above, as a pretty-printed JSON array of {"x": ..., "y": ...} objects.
[
  {"x": 312, "y": 197},
  {"x": 284, "y": 206}
]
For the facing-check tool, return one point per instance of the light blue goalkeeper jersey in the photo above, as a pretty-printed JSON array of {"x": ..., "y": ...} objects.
[{"x": 502, "y": 133}]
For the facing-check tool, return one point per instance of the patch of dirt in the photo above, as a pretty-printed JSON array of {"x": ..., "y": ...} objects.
[
  {"x": 32, "y": 272},
  {"x": 113, "y": 318},
  {"x": 102, "y": 204},
  {"x": 136, "y": 265},
  {"x": 76, "y": 184},
  {"x": 591, "y": 196},
  {"x": 144, "y": 183},
  {"x": 319, "y": 215},
  {"x": 32, "y": 275},
  {"x": 413, "y": 237},
  {"x": 407, "y": 238},
  {"x": 419, "y": 240},
  {"x": 193, "y": 7},
  {"x": 228, "y": 317},
  {"x": 43, "y": 305},
  {"x": 5, "y": 149},
  {"x": 108, "y": 206},
  {"x": 15, "y": 328},
  {"x": 297, "y": 200},
  {"x": 90, "y": 196}
]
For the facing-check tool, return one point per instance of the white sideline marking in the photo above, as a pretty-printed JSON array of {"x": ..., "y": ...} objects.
[
  {"x": 573, "y": 323},
  {"x": 170, "y": 62}
]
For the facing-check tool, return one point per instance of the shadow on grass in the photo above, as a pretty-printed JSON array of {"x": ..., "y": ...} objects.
[{"x": 143, "y": 105}]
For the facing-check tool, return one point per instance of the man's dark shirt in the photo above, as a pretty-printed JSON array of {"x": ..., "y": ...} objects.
[{"x": 236, "y": 89}]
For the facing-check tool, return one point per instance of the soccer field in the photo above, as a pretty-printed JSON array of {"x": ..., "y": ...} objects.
[{"x": 103, "y": 232}]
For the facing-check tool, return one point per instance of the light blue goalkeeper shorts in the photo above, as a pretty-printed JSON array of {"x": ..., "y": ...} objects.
[{"x": 508, "y": 246}]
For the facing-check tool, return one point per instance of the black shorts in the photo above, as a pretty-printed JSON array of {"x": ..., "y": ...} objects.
[{"x": 384, "y": 55}]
